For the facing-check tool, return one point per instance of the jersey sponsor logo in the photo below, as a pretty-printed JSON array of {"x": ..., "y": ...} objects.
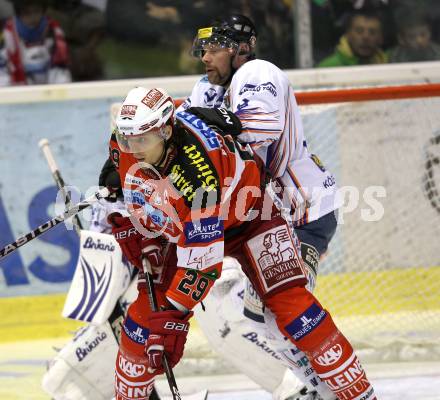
[
  {"x": 82, "y": 352},
  {"x": 135, "y": 390},
  {"x": 182, "y": 183},
  {"x": 192, "y": 174},
  {"x": 243, "y": 105},
  {"x": 351, "y": 382},
  {"x": 131, "y": 369},
  {"x": 98, "y": 245},
  {"x": 200, "y": 258},
  {"x": 329, "y": 182},
  {"x": 134, "y": 331},
  {"x": 186, "y": 104},
  {"x": 203, "y": 231},
  {"x": 306, "y": 322},
  {"x": 209, "y": 97},
  {"x": 208, "y": 136},
  {"x": 157, "y": 216},
  {"x": 204, "y": 172},
  {"x": 331, "y": 356},
  {"x": 133, "y": 197},
  {"x": 310, "y": 256},
  {"x": 278, "y": 262},
  {"x": 267, "y": 86}
]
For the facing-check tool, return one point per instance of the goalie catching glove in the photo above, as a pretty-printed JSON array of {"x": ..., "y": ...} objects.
[
  {"x": 133, "y": 244},
  {"x": 218, "y": 119},
  {"x": 168, "y": 332}
]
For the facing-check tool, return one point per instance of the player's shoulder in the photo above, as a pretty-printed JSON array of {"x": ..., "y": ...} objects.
[
  {"x": 256, "y": 74},
  {"x": 194, "y": 166},
  {"x": 258, "y": 67},
  {"x": 199, "y": 130},
  {"x": 204, "y": 82}
]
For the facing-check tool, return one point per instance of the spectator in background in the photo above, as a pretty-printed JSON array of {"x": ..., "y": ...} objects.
[
  {"x": 414, "y": 40},
  {"x": 36, "y": 51},
  {"x": 329, "y": 20},
  {"x": 6, "y": 11},
  {"x": 84, "y": 28},
  {"x": 275, "y": 25},
  {"x": 361, "y": 43}
]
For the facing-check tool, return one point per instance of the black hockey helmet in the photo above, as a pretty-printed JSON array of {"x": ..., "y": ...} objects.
[
  {"x": 237, "y": 27},
  {"x": 227, "y": 32}
]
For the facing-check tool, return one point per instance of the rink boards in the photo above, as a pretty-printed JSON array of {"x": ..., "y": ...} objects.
[{"x": 34, "y": 317}]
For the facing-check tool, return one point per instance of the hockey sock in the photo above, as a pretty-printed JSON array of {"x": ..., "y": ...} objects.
[{"x": 302, "y": 320}]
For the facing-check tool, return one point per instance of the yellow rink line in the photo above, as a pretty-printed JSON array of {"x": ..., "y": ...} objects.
[
  {"x": 34, "y": 317},
  {"x": 362, "y": 293},
  {"x": 367, "y": 293}
]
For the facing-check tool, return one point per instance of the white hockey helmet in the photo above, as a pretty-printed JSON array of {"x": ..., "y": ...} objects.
[{"x": 142, "y": 119}]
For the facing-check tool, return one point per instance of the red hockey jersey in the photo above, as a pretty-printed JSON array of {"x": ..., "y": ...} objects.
[{"x": 208, "y": 187}]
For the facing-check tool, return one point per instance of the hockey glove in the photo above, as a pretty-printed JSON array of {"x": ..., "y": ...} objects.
[
  {"x": 218, "y": 118},
  {"x": 109, "y": 177},
  {"x": 133, "y": 244},
  {"x": 168, "y": 332}
]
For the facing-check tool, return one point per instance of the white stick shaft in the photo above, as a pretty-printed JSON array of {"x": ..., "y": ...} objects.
[{"x": 45, "y": 148}]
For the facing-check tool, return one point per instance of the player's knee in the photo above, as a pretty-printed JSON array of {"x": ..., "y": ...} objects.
[{"x": 300, "y": 317}]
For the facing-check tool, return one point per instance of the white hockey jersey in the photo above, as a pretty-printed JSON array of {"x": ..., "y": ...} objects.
[{"x": 261, "y": 96}]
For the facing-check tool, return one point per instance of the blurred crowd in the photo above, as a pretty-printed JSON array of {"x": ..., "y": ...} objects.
[{"x": 57, "y": 41}]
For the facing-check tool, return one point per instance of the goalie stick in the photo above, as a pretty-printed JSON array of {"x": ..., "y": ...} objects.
[
  {"x": 43, "y": 228},
  {"x": 56, "y": 174}
]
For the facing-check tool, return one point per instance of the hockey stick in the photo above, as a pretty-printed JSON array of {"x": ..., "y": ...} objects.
[
  {"x": 38, "y": 231},
  {"x": 56, "y": 174},
  {"x": 153, "y": 304}
]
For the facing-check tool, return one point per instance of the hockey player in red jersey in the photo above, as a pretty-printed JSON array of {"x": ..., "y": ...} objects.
[{"x": 194, "y": 196}]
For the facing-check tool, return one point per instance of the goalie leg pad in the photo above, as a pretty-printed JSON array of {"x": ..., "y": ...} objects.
[{"x": 302, "y": 320}]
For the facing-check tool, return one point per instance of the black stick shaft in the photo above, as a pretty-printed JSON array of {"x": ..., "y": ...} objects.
[
  {"x": 38, "y": 231},
  {"x": 153, "y": 304}
]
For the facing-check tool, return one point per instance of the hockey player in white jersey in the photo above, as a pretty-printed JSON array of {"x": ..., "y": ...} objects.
[{"x": 261, "y": 96}]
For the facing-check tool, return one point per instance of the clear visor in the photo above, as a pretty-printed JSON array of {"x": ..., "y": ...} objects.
[
  {"x": 139, "y": 143},
  {"x": 214, "y": 42}
]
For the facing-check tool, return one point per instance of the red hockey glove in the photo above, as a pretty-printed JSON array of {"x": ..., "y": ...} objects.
[
  {"x": 168, "y": 332},
  {"x": 133, "y": 244}
]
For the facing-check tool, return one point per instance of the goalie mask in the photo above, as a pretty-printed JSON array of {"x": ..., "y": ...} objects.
[
  {"x": 226, "y": 33},
  {"x": 144, "y": 120}
]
